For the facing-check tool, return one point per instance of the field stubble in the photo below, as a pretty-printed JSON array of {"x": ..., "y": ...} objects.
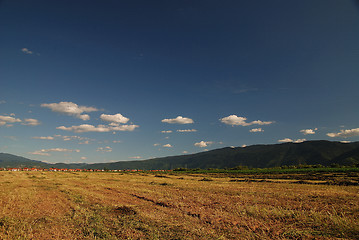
[{"x": 53, "y": 205}]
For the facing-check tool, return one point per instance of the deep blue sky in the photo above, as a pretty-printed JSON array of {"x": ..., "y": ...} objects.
[{"x": 289, "y": 67}]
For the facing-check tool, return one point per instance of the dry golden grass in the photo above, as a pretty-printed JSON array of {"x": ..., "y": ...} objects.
[{"x": 54, "y": 205}]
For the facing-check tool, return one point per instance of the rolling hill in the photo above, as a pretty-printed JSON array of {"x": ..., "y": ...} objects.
[
  {"x": 13, "y": 161},
  {"x": 258, "y": 156}
]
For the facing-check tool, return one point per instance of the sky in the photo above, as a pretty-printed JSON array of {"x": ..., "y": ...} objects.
[{"x": 111, "y": 80}]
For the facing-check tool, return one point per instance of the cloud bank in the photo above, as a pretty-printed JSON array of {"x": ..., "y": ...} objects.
[
  {"x": 345, "y": 133},
  {"x": 99, "y": 128}
]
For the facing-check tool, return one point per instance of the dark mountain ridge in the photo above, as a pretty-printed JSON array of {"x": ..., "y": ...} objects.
[{"x": 257, "y": 156}]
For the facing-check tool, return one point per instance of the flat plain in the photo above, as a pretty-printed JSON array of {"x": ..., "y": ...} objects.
[{"x": 140, "y": 205}]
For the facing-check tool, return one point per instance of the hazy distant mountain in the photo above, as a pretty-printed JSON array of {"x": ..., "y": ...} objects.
[
  {"x": 12, "y": 161},
  {"x": 259, "y": 156}
]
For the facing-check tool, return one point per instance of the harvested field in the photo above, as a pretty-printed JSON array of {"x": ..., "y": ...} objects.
[{"x": 81, "y": 205}]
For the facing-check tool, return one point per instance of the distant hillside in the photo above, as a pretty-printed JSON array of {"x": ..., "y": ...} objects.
[
  {"x": 258, "y": 156},
  {"x": 12, "y": 161}
]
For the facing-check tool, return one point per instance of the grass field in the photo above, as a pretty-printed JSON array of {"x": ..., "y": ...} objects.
[{"x": 81, "y": 205}]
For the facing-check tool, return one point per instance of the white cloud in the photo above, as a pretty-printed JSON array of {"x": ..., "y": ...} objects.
[
  {"x": 235, "y": 120},
  {"x": 123, "y": 128},
  {"x": 116, "y": 141},
  {"x": 40, "y": 153},
  {"x": 2, "y": 101},
  {"x": 203, "y": 144},
  {"x": 169, "y": 131},
  {"x": 156, "y": 144},
  {"x": 345, "y": 141},
  {"x": 84, "y": 117},
  {"x": 11, "y": 119},
  {"x": 44, "y": 138},
  {"x": 186, "y": 130},
  {"x": 167, "y": 145},
  {"x": 308, "y": 131},
  {"x": 8, "y": 119},
  {"x": 99, "y": 128},
  {"x": 61, "y": 150},
  {"x": 135, "y": 157},
  {"x": 178, "y": 120},
  {"x": 104, "y": 149},
  {"x": 69, "y": 138},
  {"x": 45, "y": 152},
  {"x": 83, "y": 158},
  {"x": 259, "y": 122},
  {"x": 71, "y": 109},
  {"x": 26, "y": 51},
  {"x": 184, "y": 152},
  {"x": 85, "y": 128},
  {"x": 345, "y": 133},
  {"x": 256, "y": 130},
  {"x": 117, "y": 118},
  {"x": 31, "y": 122},
  {"x": 287, "y": 140}
]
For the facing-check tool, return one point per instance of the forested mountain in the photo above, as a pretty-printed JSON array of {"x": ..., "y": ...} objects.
[
  {"x": 258, "y": 156},
  {"x": 13, "y": 161}
]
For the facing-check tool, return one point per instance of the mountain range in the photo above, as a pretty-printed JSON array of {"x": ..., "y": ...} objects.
[{"x": 256, "y": 156}]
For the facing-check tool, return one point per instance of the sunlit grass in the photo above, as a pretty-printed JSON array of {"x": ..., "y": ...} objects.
[{"x": 48, "y": 205}]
